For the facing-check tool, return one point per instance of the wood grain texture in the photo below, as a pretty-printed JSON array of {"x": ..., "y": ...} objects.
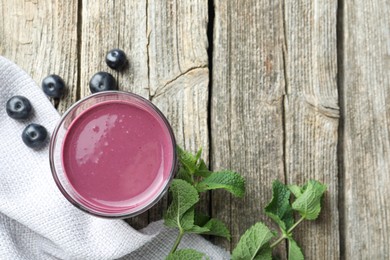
[
  {"x": 41, "y": 37},
  {"x": 365, "y": 88},
  {"x": 247, "y": 107},
  {"x": 115, "y": 24},
  {"x": 274, "y": 95},
  {"x": 312, "y": 115},
  {"x": 166, "y": 44},
  {"x": 178, "y": 73}
]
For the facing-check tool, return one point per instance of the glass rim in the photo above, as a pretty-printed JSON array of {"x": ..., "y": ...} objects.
[{"x": 80, "y": 205}]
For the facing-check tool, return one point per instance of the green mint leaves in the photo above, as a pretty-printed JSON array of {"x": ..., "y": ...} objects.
[
  {"x": 279, "y": 208},
  {"x": 180, "y": 213},
  {"x": 194, "y": 171},
  {"x": 193, "y": 178},
  {"x": 227, "y": 180},
  {"x": 191, "y": 165},
  {"x": 258, "y": 241},
  {"x": 255, "y": 243},
  {"x": 188, "y": 254},
  {"x": 308, "y": 202},
  {"x": 216, "y": 228},
  {"x": 294, "y": 252}
]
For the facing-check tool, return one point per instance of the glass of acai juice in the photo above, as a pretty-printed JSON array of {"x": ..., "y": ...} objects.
[{"x": 113, "y": 154}]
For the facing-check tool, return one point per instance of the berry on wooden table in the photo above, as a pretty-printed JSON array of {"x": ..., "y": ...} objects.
[
  {"x": 18, "y": 107},
  {"x": 102, "y": 81},
  {"x": 53, "y": 86},
  {"x": 116, "y": 59}
]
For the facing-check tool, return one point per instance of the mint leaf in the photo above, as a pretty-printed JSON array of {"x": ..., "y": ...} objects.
[
  {"x": 202, "y": 170},
  {"x": 294, "y": 252},
  {"x": 201, "y": 219},
  {"x": 213, "y": 227},
  {"x": 181, "y": 212},
  {"x": 309, "y": 203},
  {"x": 198, "y": 230},
  {"x": 265, "y": 253},
  {"x": 217, "y": 228},
  {"x": 183, "y": 174},
  {"x": 296, "y": 190},
  {"x": 206, "y": 226},
  {"x": 188, "y": 254},
  {"x": 187, "y": 220},
  {"x": 228, "y": 180},
  {"x": 279, "y": 209},
  {"x": 187, "y": 160},
  {"x": 191, "y": 165},
  {"x": 254, "y": 244},
  {"x": 198, "y": 154}
]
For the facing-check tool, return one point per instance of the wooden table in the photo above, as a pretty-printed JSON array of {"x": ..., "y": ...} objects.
[{"x": 287, "y": 90}]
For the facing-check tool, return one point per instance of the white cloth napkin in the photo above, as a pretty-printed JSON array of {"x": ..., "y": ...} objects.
[{"x": 37, "y": 222}]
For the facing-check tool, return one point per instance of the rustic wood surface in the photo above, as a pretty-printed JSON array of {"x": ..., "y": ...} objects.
[
  {"x": 286, "y": 90},
  {"x": 247, "y": 106},
  {"x": 364, "y": 136},
  {"x": 312, "y": 115}
]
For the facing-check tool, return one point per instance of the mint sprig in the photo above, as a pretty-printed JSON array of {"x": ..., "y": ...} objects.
[
  {"x": 258, "y": 241},
  {"x": 280, "y": 210},
  {"x": 193, "y": 178}
]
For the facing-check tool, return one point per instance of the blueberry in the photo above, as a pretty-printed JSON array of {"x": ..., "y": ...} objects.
[
  {"x": 116, "y": 59},
  {"x": 18, "y": 107},
  {"x": 102, "y": 81},
  {"x": 53, "y": 86},
  {"x": 34, "y": 136}
]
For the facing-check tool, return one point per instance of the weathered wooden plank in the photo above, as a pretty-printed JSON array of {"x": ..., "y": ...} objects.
[
  {"x": 178, "y": 73},
  {"x": 248, "y": 85},
  {"x": 312, "y": 115},
  {"x": 247, "y": 106},
  {"x": 41, "y": 37},
  {"x": 115, "y": 24},
  {"x": 365, "y": 147},
  {"x": 166, "y": 44}
]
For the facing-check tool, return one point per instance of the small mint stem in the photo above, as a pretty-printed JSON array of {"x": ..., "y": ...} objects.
[
  {"x": 177, "y": 242},
  {"x": 280, "y": 239},
  {"x": 277, "y": 242},
  {"x": 295, "y": 225}
]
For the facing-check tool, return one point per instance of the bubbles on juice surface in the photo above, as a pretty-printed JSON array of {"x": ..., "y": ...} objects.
[{"x": 93, "y": 139}]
